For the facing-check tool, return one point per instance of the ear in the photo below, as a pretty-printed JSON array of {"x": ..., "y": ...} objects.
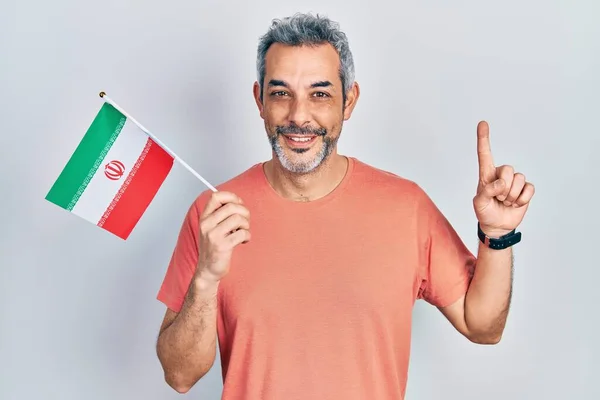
[
  {"x": 351, "y": 99},
  {"x": 259, "y": 103}
]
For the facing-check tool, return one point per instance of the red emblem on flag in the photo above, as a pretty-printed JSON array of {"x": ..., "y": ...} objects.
[{"x": 114, "y": 170}]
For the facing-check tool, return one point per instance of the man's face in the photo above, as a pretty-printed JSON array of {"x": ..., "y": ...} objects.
[{"x": 302, "y": 104}]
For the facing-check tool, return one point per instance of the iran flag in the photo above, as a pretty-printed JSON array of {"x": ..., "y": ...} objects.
[{"x": 113, "y": 175}]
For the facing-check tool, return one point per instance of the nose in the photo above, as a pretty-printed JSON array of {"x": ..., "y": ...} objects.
[{"x": 299, "y": 112}]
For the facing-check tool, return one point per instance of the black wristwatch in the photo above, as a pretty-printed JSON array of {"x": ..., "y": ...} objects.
[{"x": 511, "y": 238}]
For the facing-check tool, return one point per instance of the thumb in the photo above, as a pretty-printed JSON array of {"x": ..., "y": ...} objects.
[{"x": 490, "y": 191}]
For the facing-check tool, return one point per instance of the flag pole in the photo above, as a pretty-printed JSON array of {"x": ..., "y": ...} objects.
[{"x": 161, "y": 144}]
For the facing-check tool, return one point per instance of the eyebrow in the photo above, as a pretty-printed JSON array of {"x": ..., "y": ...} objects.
[
  {"x": 278, "y": 82},
  {"x": 321, "y": 84}
]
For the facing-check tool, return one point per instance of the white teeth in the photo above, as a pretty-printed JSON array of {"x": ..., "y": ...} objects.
[{"x": 297, "y": 139}]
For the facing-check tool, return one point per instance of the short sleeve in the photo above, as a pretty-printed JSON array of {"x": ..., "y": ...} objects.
[
  {"x": 184, "y": 259},
  {"x": 447, "y": 265}
]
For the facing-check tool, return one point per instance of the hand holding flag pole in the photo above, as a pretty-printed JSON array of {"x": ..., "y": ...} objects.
[{"x": 161, "y": 144}]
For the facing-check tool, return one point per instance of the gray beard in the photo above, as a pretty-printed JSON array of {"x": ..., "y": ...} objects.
[{"x": 302, "y": 167}]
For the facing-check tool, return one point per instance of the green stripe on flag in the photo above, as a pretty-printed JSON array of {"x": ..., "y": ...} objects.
[{"x": 87, "y": 158}]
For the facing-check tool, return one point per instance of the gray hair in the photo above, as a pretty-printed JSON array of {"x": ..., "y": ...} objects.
[{"x": 306, "y": 29}]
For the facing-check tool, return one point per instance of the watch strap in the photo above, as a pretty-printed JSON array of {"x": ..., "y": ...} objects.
[{"x": 511, "y": 238}]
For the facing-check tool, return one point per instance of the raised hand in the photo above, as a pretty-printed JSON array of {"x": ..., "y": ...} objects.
[
  {"x": 224, "y": 224},
  {"x": 503, "y": 196}
]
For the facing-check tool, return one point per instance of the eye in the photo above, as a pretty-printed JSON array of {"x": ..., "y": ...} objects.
[
  {"x": 279, "y": 93},
  {"x": 321, "y": 94}
]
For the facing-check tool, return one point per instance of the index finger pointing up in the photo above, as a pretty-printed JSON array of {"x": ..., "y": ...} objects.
[{"x": 484, "y": 152}]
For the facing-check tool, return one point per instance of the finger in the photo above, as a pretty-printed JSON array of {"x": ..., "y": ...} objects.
[
  {"x": 231, "y": 224},
  {"x": 221, "y": 214},
  {"x": 488, "y": 192},
  {"x": 238, "y": 237},
  {"x": 218, "y": 199},
  {"x": 484, "y": 152},
  {"x": 515, "y": 189},
  {"x": 525, "y": 196},
  {"x": 226, "y": 210},
  {"x": 506, "y": 173}
]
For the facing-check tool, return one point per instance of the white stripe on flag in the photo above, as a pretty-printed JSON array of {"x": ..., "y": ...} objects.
[{"x": 101, "y": 190}]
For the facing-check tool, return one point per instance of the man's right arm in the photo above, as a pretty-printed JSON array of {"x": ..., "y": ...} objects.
[{"x": 187, "y": 340}]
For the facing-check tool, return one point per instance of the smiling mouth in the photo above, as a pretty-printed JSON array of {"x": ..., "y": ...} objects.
[{"x": 296, "y": 141}]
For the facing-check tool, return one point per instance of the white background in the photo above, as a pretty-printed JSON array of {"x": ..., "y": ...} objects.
[{"x": 78, "y": 312}]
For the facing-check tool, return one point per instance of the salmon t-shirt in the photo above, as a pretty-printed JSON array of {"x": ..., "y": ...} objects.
[{"x": 318, "y": 304}]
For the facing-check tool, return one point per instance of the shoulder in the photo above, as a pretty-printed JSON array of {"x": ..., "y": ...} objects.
[
  {"x": 398, "y": 195},
  {"x": 385, "y": 184}
]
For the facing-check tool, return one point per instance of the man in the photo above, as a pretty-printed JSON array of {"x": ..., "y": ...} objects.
[{"x": 305, "y": 268}]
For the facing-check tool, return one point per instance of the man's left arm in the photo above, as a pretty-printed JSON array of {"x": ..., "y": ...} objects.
[
  {"x": 480, "y": 315},
  {"x": 500, "y": 204}
]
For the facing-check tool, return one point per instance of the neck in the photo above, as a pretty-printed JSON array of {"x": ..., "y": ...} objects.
[{"x": 307, "y": 187}]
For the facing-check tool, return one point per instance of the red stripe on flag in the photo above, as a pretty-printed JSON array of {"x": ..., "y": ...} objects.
[{"x": 139, "y": 189}]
